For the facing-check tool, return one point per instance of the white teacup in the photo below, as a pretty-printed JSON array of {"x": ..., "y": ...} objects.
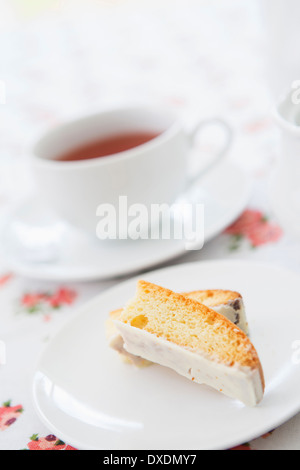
[{"x": 152, "y": 173}]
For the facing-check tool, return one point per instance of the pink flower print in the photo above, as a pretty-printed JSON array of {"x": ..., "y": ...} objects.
[
  {"x": 49, "y": 442},
  {"x": 248, "y": 222},
  {"x": 62, "y": 297},
  {"x": 9, "y": 414},
  {"x": 258, "y": 125},
  {"x": 267, "y": 233},
  {"x": 44, "y": 302},
  {"x": 32, "y": 300},
  {"x": 5, "y": 278},
  {"x": 255, "y": 227}
]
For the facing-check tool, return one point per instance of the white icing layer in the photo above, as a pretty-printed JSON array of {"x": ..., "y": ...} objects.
[
  {"x": 241, "y": 383},
  {"x": 234, "y": 314},
  {"x": 116, "y": 342}
]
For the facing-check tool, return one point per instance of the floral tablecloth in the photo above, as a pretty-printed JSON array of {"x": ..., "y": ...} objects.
[{"x": 65, "y": 60}]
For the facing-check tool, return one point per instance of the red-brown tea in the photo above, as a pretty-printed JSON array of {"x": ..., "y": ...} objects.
[{"x": 107, "y": 146}]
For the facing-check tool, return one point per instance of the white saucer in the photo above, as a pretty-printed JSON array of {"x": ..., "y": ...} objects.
[
  {"x": 88, "y": 397},
  {"x": 37, "y": 245}
]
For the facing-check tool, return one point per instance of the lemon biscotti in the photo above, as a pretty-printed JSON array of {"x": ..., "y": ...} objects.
[
  {"x": 170, "y": 329},
  {"x": 226, "y": 302}
]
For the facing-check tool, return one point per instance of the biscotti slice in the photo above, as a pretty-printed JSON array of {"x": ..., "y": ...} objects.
[
  {"x": 227, "y": 302},
  {"x": 180, "y": 333}
]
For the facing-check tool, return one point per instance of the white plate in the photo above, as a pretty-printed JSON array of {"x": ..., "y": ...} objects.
[
  {"x": 35, "y": 244},
  {"x": 91, "y": 400}
]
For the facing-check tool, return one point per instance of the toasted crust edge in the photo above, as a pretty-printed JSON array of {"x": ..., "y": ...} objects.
[{"x": 254, "y": 361}]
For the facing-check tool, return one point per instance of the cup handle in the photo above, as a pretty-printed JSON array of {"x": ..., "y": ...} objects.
[{"x": 220, "y": 154}]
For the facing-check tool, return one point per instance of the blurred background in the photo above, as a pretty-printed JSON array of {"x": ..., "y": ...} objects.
[{"x": 64, "y": 58}]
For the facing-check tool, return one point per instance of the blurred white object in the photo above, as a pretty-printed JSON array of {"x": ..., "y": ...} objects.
[
  {"x": 285, "y": 185},
  {"x": 78, "y": 191},
  {"x": 281, "y": 22}
]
